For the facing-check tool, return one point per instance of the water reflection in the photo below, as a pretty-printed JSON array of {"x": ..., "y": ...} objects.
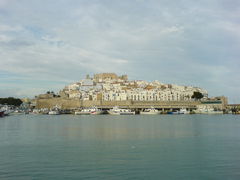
[
  {"x": 116, "y": 127},
  {"x": 107, "y": 127}
]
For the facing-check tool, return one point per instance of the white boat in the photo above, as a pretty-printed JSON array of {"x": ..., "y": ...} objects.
[
  {"x": 6, "y": 110},
  {"x": 83, "y": 112},
  {"x": 95, "y": 111},
  {"x": 118, "y": 111},
  {"x": 35, "y": 111},
  {"x": 181, "y": 111},
  {"x": 208, "y": 111},
  {"x": 151, "y": 110},
  {"x": 89, "y": 111},
  {"x": 184, "y": 111},
  {"x": 18, "y": 112},
  {"x": 54, "y": 112},
  {"x": 44, "y": 111},
  {"x": 212, "y": 111}
]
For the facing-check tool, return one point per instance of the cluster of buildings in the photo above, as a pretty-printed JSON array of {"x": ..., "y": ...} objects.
[{"x": 111, "y": 87}]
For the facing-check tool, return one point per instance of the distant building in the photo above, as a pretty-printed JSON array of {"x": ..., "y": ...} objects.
[
  {"x": 109, "y": 76},
  {"x": 111, "y": 87}
]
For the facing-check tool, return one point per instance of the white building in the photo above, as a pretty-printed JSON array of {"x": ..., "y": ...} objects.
[{"x": 113, "y": 89}]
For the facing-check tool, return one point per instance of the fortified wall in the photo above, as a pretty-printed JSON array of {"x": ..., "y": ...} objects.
[
  {"x": 63, "y": 103},
  {"x": 67, "y": 103}
]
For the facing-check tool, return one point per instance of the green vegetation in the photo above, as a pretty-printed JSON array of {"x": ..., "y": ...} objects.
[
  {"x": 197, "y": 95},
  {"x": 11, "y": 101},
  {"x": 53, "y": 94}
]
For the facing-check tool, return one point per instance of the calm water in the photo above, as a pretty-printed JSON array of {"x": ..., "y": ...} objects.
[{"x": 120, "y": 147}]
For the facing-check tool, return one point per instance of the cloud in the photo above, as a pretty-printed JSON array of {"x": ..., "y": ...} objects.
[
  {"x": 21, "y": 92},
  {"x": 4, "y": 38},
  {"x": 3, "y": 3},
  {"x": 7, "y": 28},
  {"x": 52, "y": 61},
  {"x": 231, "y": 28}
]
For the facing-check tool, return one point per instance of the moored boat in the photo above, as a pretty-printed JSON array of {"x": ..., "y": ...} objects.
[
  {"x": 118, "y": 111},
  {"x": 1, "y": 113},
  {"x": 7, "y": 110},
  {"x": 151, "y": 110},
  {"x": 181, "y": 111},
  {"x": 184, "y": 111},
  {"x": 83, "y": 112},
  {"x": 89, "y": 111},
  {"x": 54, "y": 111},
  {"x": 208, "y": 111},
  {"x": 173, "y": 112}
]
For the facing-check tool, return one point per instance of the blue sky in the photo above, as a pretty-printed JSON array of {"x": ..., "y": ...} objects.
[{"x": 47, "y": 44}]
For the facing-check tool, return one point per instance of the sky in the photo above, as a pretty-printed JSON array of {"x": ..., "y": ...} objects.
[{"x": 47, "y": 44}]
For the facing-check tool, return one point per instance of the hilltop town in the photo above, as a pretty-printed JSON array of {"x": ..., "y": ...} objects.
[
  {"x": 110, "y": 87},
  {"x": 107, "y": 90}
]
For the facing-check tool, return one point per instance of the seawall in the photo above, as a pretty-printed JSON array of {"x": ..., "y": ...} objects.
[{"x": 66, "y": 103}]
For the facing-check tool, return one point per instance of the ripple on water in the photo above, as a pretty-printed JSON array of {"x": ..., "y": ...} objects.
[{"x": 120, "y": 147}]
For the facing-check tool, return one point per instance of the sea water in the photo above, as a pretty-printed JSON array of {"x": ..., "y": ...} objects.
[{"x": 120, "y": 147}]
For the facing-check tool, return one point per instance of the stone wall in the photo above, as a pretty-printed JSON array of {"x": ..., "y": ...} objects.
[{"x": 66, "y": 103}]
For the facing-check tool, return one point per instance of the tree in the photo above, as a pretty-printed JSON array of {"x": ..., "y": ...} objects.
[
  {"x": 11, "y": 101},
  {"x": 197, "y": 95}
]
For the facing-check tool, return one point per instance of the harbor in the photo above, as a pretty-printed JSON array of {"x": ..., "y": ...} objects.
[
  {"x": 6, "y": 110},
  {"x": 109, "y": 92},
  {"x": 62, "y": 105}
]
